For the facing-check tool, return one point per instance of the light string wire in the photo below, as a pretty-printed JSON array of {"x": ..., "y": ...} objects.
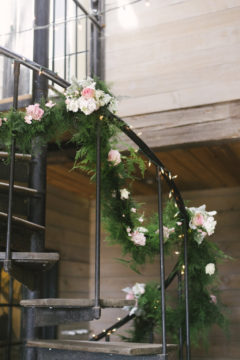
[{"x": 70, "y": 19}]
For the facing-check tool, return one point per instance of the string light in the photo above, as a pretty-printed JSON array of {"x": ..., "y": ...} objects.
[
  {"x": 72, "y": 18},
  {"x": 139, "y": 134},
  {"x": 119, "y": 318},
  {"x": 149, "y": 163},
  {"x": 176, "y": 252}
]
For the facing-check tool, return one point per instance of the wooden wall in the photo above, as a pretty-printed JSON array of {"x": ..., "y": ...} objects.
[
  {"x": 115, "y": 276},
  {"x": 173, "y": 54},
  {"x": 67, "y": 222}
]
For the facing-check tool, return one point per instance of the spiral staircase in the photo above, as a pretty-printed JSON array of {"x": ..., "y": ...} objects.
[{"x": 25, "y": 258}]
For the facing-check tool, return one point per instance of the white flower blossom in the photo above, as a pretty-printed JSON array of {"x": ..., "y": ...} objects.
[
  {"x": 202, "y": 220},
  {"x": 72, "y": 105},
  {"x": 138, "y": 289},
  {"x": 142, "y": 229},
  {"x": 210, "y": 269},
  {"x": 87, "y": 106},
  {"x": 124, "y": 193}
]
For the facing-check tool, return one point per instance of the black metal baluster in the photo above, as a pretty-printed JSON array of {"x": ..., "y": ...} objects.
[
  {"x": 65, "y": 39},
  {"x": 9, "y": 328},
  {"x": 180, "y": 329},
  {"x": 76, "y": 42},
  {"x": 98, "y": 224},
  {"x": 7, "y": 261},
  {"x": 162, "y": 269},
  {"x": 188, "y": 350},
  {"x": 54, "y": 35},
  {"x": 86, "y": 45}
]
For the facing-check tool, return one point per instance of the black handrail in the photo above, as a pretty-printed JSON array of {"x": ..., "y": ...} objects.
[{"x": 147, "y": 151}]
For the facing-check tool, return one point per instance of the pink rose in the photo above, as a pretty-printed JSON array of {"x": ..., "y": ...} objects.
[
  {"x": 138, "y": 238},
  {"x": 114, "y": 156},
  {"x": 33, "y": 111},
  {"x": 130, "y": 296},
  {"x": 88, "y": 93},
  {"x": 213, "y": 299},
  {"x": 198, "y": 219}
]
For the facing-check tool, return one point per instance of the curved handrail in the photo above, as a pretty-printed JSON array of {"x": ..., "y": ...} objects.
[
  {"x": 51, "y": 75},
  {"x": 161, "y": 170}
]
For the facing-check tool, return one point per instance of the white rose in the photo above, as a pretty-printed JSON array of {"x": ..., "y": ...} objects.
[
  {"x": 72, "y": 105},
  {"x": 124, "y": 194},
  {"x": 210, "y": 269},
  {"x": 210, "y": 225},
  {"x": 87, "y": 106},
  {"x": 138, "y": 289}
]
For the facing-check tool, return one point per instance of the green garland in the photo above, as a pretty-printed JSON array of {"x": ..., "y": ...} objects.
[{"x": 122, "y": 216}]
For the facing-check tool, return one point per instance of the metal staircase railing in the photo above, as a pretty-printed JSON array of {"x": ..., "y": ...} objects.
[{"x": 161, "y": 172}]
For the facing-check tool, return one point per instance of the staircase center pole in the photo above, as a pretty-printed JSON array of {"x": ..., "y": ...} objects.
[
  {"x": 37, "y": 178},
  {"x": 162, "y": 267},
  {"x": 7, "y": 262}
]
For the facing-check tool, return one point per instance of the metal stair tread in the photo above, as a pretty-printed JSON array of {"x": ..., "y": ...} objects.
[
  {"x": 19, "y": 221},
  {"x": 31, "y": 257},
  {"x": 24, "y": 157},
  {"x": 19, "y": 189},
  {"x": 76, "y": 303},
  {"x": 120, "y": 348}
]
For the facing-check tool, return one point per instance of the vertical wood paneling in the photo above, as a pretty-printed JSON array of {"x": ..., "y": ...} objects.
[
  {"x": 67, "y": 221},
  {"x": 178, "y": 54}
]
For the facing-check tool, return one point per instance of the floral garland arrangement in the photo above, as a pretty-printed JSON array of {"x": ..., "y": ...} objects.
[
  {"x": 80, "y": 110},
  {"x": 205, "y": 306}
]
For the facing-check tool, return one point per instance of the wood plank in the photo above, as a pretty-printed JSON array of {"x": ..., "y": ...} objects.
[
  {"x": 76, "y": 303},
  {"x": 31, "y": 257},
  {"x": 101, "y": 347}
]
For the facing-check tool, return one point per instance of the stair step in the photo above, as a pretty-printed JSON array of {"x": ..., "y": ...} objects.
[
  {"x": 76, "y": 303},
  {"x": 23, "y": 157},
  {"x": 49, "y": 312},
  {"x": 22, "y": 190},
  {"x": 32, "y": 260},
  {"x": 26, "y": 267},
  {"x": 22, "y": 222},
  {"x": 86, "y": 350}
]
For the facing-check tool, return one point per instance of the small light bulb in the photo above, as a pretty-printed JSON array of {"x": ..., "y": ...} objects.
[{"x": 147, "y": 3}]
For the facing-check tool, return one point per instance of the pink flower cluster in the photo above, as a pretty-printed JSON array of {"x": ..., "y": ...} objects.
[
  {"x": 88, "y": 93},
  {"x": 114, "y": 156},
  {"x": 2, "y": 119},
  {"x": 33, "y": 112},
  {"x": 138, "y": 238}
]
